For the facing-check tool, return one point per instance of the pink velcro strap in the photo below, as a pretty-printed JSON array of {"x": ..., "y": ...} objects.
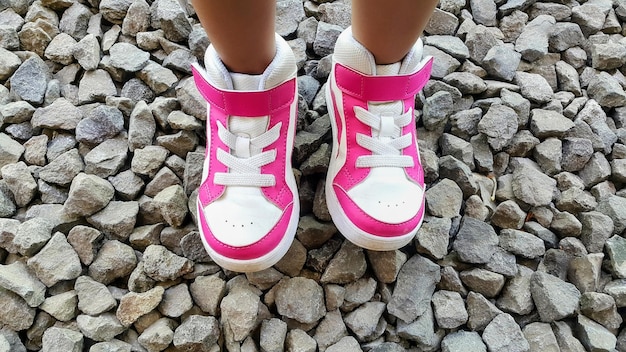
[
  {"x": 382, "y": 88},
  {"x": 245, "y": 103}
]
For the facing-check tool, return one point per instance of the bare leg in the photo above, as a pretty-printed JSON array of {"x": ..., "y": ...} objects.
[
  {"x": 242, "y": 32},
  {"x": 388, "y": 29}
]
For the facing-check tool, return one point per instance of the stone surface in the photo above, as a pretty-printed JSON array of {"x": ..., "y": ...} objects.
[
  {"x": 521, "y": 131},
  {"x": 416, "y": 284},
  {"x": 503, "y": 334},
  {"x": 300, "y": 299},
  {"x": 555, "y": 299}
]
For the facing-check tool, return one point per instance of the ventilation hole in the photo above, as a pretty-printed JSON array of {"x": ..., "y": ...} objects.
[
  {"x": 233, "y": 225},
  {"x": 225, "y": 220},
  {"x": 241, "y": 225}
]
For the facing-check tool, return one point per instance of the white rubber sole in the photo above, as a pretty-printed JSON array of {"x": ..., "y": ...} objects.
[
  {"x": 276, "y": 254},
  {"x": 346, "y": 227}
]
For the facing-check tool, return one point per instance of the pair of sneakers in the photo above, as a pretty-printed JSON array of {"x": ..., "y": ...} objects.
[{"x": 247, "y": 207}]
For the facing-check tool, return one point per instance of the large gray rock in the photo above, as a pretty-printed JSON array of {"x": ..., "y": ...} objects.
[
  {"x": 176, "y": 301},
  {"x": 547, "y": 123},
  {"x": 289, "y": 13},
  {"x": 157, "y": 336},
  {"x": 516, "y": 296},
  {"x": 100, "y": 124},
  {"x": 161, "y": 264},
  {"x": 17, "y": 278},
  {"x": 173, "y": 20},
  {"x": 157, "y": 77},
  {"x": 56, "y": 339},
  {"x": 30, "y": 80},
  {"x": 463, "y": 341},
  {"x": 449, "y": 309},
  {"x": 565, "y": 337},
  {"x": 239, "y": 313},
  {"x": 415, "y": 286},
  {"x": 499, "y": 124},
  {"x": 325, "y": 38},
  {"x": 10, "y": 150},
  {"x": 594, "y": 336},
  {"x": 300, "y": 299},
  {"x": 503, "y": 334},
  {"x": 197, "y": 333},
  {"x": 596, "y": 170},
  {"x": 616, "y": 250},
  {"x": 555, "y": 299},
  {"x": 20, "y": 182},
  {"x": 141, "y": 127},
  {"x": 615, "y": 208},
  {"x": 172, "y": 202},
  {"x": 534, "y": 87},
  {"x": 114, "y": 260},
  {"x": 9, "y": 62},
  {"x": 607, "y": 56},
  {"x": 365, "y": 322},
  {"x": 484, "y": 12},
  {"x": 346, "y": 266},
  {"x": 444, "y": 199},
  {"x": 93, "y": 297},
  {"x": 479, "y": 41},
  {"x": 521, "y": 243},
  {"x": 95, "y": 86},
  {"x": 107, "y": 158},
  {"x": 116, "y": 220},
  {"x": 61, "y": 114},
  {"x": 540, "y": 337},
  {"x": 501, "y": 61},
  {"x": 421, "y": 330},
  {"x": 103, "y": 327},
  {"x": 565, "y": 35},
  {"x": 56, "y": 261},
  {"x": 273, "y": 334},
  {"x": 87, "y": 52},
  {"x": 533, "y": 41},
  {"x": 532, "y": 187},
  {"x": 476, "y": 241},
  {"x": 606, "y": 90},
  {"x": 29, "y": 236},
  {"x": 601, "y": 308},
  {"x": 128, "y": 57},
  {"x": 88, "y": 194},
  {"x": 330, "y": 330}
]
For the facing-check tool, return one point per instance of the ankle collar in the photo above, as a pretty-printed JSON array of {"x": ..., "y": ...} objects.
[{"x": 245, "y": 103}]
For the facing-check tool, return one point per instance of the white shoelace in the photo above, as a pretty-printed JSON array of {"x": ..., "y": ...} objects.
[
  {"x": 245, "y": 166},
  {"x": 386, "y": 142}
]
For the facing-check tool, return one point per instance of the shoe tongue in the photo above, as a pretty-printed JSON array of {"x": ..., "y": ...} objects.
[
  {"x": 388, "y": 70},
  {"x": 246, "y": 82},
  {"x": 246, "y": 126},
  {"x": 387, "y": 108}
]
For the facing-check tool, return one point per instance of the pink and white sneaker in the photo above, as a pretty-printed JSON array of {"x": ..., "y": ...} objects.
[
  {"x": 248, "y": 207},
  {"x": 375, "y": 181}
]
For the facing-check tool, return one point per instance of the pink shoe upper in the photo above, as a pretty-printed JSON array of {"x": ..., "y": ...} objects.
[
  {"x": 356, "y": 90},
  {"x": 276, "y": 104}
]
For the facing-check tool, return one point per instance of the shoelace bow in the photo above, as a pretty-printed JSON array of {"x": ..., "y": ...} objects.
[
  {"x": 387, "y": 147},
  {"x": 246, "y": 171}
]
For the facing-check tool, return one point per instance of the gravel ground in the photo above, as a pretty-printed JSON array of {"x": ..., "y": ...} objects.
[{"x": 522, "y": 136}]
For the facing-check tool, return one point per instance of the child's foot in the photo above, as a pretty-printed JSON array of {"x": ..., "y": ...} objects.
[
  {"x": 375, "y": 182},
  {"x": 248, "y": 207}
]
